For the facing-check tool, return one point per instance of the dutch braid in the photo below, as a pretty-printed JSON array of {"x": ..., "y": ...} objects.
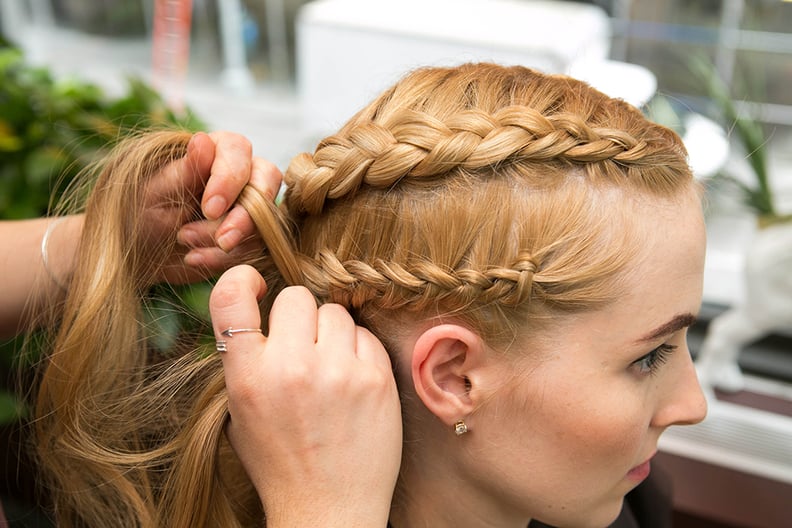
[
  {"x": 417, "y": 145},
  {"x": 353, "y": 283},
  {"x": 435, "y": 129}
]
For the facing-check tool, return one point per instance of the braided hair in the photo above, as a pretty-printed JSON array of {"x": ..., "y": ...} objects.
[
  {"x": 476, "y": 189},
  {"x": 484, "y": 193}
]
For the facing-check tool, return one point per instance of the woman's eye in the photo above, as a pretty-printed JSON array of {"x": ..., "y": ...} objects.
[{"x": 651, "y": 362}]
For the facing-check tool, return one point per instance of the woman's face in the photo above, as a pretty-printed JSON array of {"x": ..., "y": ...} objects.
[{"x": 575, "y": 430}]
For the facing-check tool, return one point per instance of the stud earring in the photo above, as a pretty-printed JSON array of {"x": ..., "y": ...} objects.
[{"x": 460, "y": 428}]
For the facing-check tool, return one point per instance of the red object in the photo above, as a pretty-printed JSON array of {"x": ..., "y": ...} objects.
[{"x": 171, "y": 49}]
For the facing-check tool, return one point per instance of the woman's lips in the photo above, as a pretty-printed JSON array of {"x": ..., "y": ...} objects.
[{"x": 641, "y": 471}]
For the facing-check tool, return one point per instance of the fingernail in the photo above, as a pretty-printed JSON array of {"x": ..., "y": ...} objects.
[
  {"x": 188, "y": 237},
  {"x": 229, "y": 240},
  {"x": 215, "y": 207},
  {"x": 191, "y": 145},
  {"x": 194, "y": 258}
]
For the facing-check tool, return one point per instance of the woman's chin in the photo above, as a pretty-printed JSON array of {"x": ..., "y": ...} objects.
[{"x": 595, "y": 517}]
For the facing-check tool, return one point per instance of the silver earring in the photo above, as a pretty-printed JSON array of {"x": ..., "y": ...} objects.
[{"x": 460, "y": 427}]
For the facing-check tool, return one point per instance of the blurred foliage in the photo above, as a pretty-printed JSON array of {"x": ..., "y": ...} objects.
[
  {"x": 749, "y": 133},
  {"x": 177, "y": 317},
  {"x": 50, "y": 130}
]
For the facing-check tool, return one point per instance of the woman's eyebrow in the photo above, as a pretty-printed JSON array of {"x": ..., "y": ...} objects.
[{"x": 678, "y": 322}]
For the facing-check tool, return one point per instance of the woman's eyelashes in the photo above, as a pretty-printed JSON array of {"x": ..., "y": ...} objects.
[{"x": 651, "y": 362}]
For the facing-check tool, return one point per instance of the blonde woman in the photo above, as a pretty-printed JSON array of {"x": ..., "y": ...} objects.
[{"x": 529, "y": 252}]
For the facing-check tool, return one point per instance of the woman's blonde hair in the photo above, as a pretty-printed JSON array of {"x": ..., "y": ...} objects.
[{"x": 479, "y": 192}]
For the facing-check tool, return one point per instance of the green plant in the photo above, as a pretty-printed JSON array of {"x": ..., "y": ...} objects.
[
  {"x": 750, "y": 134},
  {"x": 50, "y": 130}
]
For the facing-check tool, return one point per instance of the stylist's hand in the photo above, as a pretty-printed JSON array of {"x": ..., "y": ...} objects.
[
  {"x": 209, "y": 178},
  {"x": 315, "y": 414}
]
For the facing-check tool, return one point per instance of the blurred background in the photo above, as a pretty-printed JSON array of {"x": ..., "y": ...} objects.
[{"x": 77, "y": 74}]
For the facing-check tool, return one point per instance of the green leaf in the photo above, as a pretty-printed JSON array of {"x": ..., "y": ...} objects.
[
  {"x": 10, "y": 142},
  {"x": 195, "y": 298},
  {"x": 748, "y": 131},
  {"x": 163, "y": 324},
  {"x": 43, "y": 165},
  {"x": 11, "y": 408}
]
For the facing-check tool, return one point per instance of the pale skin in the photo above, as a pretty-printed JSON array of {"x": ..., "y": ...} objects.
[
  {"x": 315, "y": 414},
  {"x": 572, "y": 428}
]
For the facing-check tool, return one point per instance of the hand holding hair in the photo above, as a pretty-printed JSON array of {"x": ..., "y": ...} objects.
[
  {"x": 315, "y": 414},
  {"x": 212, "y": 174}
]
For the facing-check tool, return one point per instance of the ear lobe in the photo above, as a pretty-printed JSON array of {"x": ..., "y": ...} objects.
[{"x": 444, "y": 362}]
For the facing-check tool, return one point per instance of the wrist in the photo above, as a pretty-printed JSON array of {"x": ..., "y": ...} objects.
[
  {"x": 347, "y": 519},
  {"x": 59, "y": 247},
  {"x": 341, "y": 511}
]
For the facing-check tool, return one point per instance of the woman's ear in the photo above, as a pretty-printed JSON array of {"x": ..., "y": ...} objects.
[{"x": 445, "y": 363}]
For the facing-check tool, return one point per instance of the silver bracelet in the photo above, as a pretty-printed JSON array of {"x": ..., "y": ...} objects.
[{"x": 45, "y": 254}]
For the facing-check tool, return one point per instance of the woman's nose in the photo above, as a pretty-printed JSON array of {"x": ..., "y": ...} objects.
[{"x": 683, "y": 402}]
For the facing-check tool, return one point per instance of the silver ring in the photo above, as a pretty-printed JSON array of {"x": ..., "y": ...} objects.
[
  {"x": 220, "y": 346},
  {"x": 229, "y": 332}
]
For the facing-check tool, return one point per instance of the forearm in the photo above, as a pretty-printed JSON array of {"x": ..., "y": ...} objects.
[{"x": 29, "y": 286}]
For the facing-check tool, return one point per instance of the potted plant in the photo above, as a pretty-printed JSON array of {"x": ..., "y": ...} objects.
[{"x": 766, "y": 306}]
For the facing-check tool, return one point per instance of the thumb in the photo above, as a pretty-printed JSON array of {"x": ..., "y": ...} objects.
[{"x": 236, "y": 319}]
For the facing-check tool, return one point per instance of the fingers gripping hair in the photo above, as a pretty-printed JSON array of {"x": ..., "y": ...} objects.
[{"x": 275, "y": 230}]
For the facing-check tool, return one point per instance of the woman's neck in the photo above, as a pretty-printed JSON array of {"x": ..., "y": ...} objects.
[{"x": 434, "y": 492}]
